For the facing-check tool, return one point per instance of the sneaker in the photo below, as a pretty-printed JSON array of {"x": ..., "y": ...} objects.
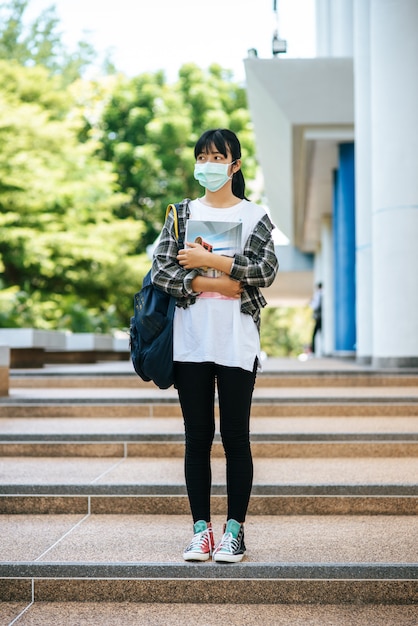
[
  {"x": 231, "y": 547},
  {"x": 202, "y": 544}
]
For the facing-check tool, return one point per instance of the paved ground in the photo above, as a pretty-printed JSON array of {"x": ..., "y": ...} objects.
[
  {"x": 119, "y": 538},
  {"x": 271, "y": 364},
  {"x": 132, "y": 614}
]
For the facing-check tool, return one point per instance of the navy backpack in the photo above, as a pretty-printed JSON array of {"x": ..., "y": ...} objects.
[{"x": 151, "y": 329}]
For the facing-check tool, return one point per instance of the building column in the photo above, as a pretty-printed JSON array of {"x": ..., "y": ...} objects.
[
  {"x": 394, "y": 115},
  {"x": 334, "y": 28},
  {"x": 363, "y": 173},
  {"x": 328, "y": 335},
  {"x": 344, "y": 253}
]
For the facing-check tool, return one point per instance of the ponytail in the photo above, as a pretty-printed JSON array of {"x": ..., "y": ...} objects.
[{"x": 238, "y": 185}]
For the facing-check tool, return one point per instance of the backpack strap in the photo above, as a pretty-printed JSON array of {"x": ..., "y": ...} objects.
[
  {"x": 181, "y": 214},
  {"x": 173, "y": 207}
]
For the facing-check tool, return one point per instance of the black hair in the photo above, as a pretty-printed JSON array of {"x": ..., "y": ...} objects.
[{"x": 222, "y": 139}]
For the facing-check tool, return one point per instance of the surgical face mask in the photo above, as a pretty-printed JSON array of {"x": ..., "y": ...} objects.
[{"x": 213, "y": 176}]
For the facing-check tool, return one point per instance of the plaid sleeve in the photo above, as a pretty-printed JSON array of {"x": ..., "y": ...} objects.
[
  {"x": 258, "y": 266},
  {"x": 166, "y": 273}
]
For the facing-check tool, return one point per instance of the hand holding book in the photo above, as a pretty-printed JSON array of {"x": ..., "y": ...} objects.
[
  {"x": 195, "y": 256},
  {"x": 210, "y": 247}
]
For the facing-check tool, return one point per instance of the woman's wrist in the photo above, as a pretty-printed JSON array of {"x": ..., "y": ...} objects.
[{"x": 220, "y": 262}]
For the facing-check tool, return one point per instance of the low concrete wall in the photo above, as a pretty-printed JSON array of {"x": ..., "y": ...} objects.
[
  {"x": 28, "y": 345},
  {"x": 4, "y": 370},
  {"x": 88, "y": 341},
  {"x": 83, "y": 348},
  {"x": 32, "y": 338},
  {"x": 33, "y": 348}
]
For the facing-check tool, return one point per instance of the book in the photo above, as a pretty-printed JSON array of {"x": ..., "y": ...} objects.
[{"x": 218, "y": 237}]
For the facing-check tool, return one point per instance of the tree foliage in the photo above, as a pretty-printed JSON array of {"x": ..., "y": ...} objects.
[
  {"x": 61, "y": 247},
  {"x": 285, "y": 331},
  {"x": 148, "y": 132},
  {"x": 87, "y": 169}
]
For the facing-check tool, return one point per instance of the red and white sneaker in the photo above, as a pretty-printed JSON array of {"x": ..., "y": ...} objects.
[{"x": 202, "y": 544}]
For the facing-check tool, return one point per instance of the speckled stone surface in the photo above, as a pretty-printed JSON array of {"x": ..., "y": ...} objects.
[
  {"x": 48, "y": 449},
  {"x": 231, "y": 591},
  {"x": 326, "y": 473},
  {"x": 100, "y": 426},
  {"x": 14, "y": 590},
  {"x": 338, "y": 452},
  {"x": 319, "y": 393},
  {"x": 296, "y": 428},
  {"x": 133, "y": 614},
  {"x": 4, "y": 380},
  {"x": 172, "y": 409},
  {"x": 284, "y": 377},
  {"x": 27, "y": 537},
  {"x": 132, "y": 538},
  {"x": 179, "y": 505},
  {"x": 85, "y": 410},
  {"x": 53, "y": 505},
  {"x": 41, "y": 471},
  {"x": 9, "y": 611},
  {"x": 163, "y": 449}
]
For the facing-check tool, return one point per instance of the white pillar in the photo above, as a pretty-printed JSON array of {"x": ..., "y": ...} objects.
[
  {"x": 318, "y": 267},
  {"x": 394, "y": 97},
  {"x": 363, "y": 172},
  {"x": 342, "y": 28},
  {"x": 327, "y": 338},
  {"x": 323, "y": 29},
  {"x": 318, "y": 271},
  {"x": 334, "y": 28}
]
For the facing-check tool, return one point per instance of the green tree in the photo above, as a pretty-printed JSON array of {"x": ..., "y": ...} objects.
[
  {"x": 86, "y": 171},
  {"x": 61, "y": 248},
  {"x": 285, "y": 331},
  {"x": 149, "y": 129}
]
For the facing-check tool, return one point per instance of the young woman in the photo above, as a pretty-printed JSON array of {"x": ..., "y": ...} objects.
[{"x": 216, "y": 331}]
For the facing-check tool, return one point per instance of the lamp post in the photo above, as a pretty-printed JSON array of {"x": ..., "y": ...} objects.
[{"x": 278, "y": 46}]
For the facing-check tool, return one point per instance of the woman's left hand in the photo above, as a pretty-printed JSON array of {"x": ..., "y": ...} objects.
[{"x": 194, "y": 256}]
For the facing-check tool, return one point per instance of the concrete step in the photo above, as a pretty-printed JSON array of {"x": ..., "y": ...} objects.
[
  {"x": 350, "y": 428},
  {"x": 97, "y": 408},
  {"x": 267, "y": 402},
  {"x": 327, "y": 559},
  {"x": 266, "y": 394},
  {"x": 287, "y": 372},
  {"x": 177, "y": 614},
  {"x": 93, "y": 505},
  {"x": 124, "y": 502},
  {"x": 44, "y": 379},
  {"x": 147, "y": 484},
  {"x": 145, "y": 474},
  {"x": 264, "y": 447}
]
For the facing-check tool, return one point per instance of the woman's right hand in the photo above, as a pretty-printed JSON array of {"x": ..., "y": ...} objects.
[
  {"x": 223, "y": 284},
  {"x": 227, "y": 286}
]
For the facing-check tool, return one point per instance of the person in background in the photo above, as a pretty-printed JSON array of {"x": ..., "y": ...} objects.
[
  {"x": 216, "y": 337},
  {"x": 316, "y": 306}
]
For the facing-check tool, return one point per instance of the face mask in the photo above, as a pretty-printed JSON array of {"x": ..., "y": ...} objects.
[{"x": 213, "y": 176}]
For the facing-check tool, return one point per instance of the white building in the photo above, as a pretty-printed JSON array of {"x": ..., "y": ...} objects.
[{"x": 337, "y": 140}]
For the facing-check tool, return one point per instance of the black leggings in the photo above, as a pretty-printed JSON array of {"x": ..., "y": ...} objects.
[{"x": 195, "y": 383}]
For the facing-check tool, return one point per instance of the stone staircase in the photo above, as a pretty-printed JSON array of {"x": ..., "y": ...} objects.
[{"x": 94, "y": 514}]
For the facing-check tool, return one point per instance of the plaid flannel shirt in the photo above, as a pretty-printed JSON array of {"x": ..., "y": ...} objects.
[{"x": 255, "y": 268}]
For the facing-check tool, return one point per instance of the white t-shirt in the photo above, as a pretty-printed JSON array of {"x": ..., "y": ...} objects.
[{"x": 214, "y": 329}]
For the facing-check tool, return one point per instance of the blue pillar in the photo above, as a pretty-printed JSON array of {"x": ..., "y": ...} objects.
[{"x": 344, "y": 251}]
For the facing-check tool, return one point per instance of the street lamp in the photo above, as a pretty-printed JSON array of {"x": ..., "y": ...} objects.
[{"x": 278, "y": 45}]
